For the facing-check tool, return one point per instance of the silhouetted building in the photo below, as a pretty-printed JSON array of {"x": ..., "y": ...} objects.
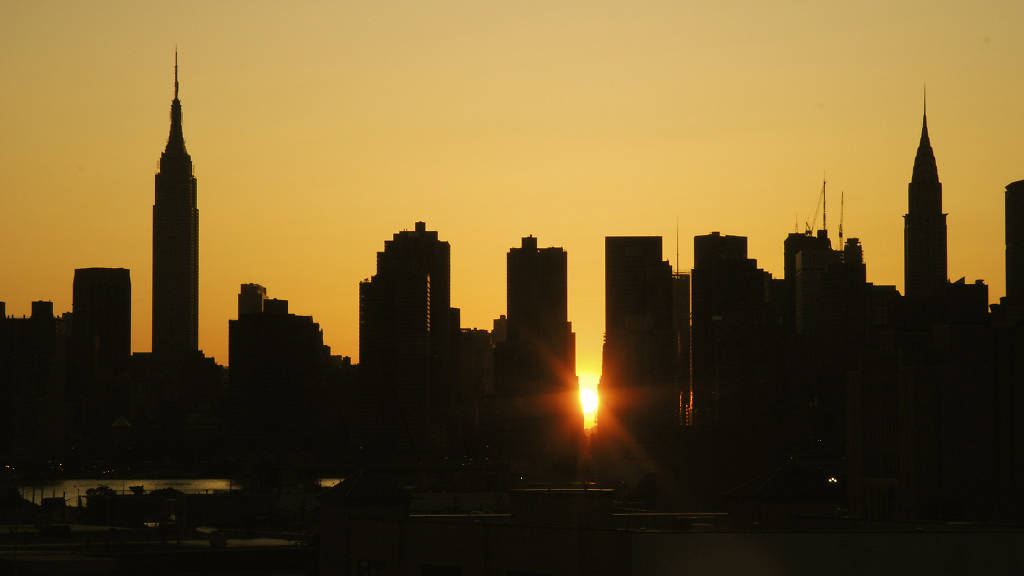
[
  {"x": 947, "y": 433},
  {"x": 967, "y": 302},
  {"x": 250, "y": 299},
  {"x": 817, "y": 291},
  {"x": 540, "y": 342},
  {"x": 405, "y": 340},
  {"x": 33, "y": 369},
  {"x": 177, "y": 415},
  {"x": 537, "y": 403},
  {"x": 728, "y": 289},
  {"x": 681, "y": 327},
  {"x": 796, "y": 243},
  {"x": 175, "y": 246},
  {"x": 1015, "y": 242},
  {"x": 102, "y": 334},
  {"x": 475, "y": 379},
  {"x": 1008, "y": 325},
  {"x": 739, "y": 394},
  {"x": 638, "y": 415},
  {"x": 98, "y": 382},
  {"x": 924, "y": 239},
  {"x": 284, "y": 387}
]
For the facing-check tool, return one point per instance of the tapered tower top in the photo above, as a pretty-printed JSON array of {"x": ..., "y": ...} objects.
[
  {"x": 176, "y": 139},
  {"x": 925, "y": 169}
]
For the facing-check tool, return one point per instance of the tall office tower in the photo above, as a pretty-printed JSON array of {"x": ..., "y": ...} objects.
[
  {"x": 737, "y": 345},
  {"x": 175, "y": 245},
  {"x": 924, "y": 232},
  {"x": 796, "y": 243},
  {"x": 405, "y": 343},
  {"x": 681, "y": 327},
  {"x": 536, "y": 380},
  {"x": 722, "y": 283},
  {"x": 101, "y": 330},
  {"x": 1015, "y": 242},
  {"x": 539, "y": 337},
  {"x": 101, "y": 333},
  {"x": 639, "y": 393}
]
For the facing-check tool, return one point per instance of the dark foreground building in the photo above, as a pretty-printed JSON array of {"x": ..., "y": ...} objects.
[
  {"x": 33, "y": 369},
  {"x": 377, "y": 530},
  {"x": 536, "y": 407},
  {"x": 99, "y": 386},
  {"x": 639, "y": 413},
  {"x": 286, "y": 389},
  {"x": 1015, "y": 241},
  {"x": 406, "y": 334}
]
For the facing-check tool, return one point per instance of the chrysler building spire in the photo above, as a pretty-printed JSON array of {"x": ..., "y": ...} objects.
[{"x": 924, "y": 235}]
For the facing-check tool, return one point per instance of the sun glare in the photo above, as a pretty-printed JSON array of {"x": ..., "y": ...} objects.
[{"x": 588, "y": 399}]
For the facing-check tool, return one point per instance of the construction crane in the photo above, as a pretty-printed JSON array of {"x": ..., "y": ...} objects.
[{"x": 809, "y": 228}]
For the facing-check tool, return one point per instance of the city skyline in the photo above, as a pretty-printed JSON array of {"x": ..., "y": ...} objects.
[{"x": 248, "y": 239}]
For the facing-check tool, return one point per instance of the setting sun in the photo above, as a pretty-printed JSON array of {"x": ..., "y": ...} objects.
[{"x": 588, "y": 399}]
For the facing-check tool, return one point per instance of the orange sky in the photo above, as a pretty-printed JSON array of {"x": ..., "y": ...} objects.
[{"x": 320, "y": 129}]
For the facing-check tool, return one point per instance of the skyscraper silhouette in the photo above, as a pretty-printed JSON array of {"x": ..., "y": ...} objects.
[
  {"x": 639, "y": 392},
  {"x": 98, "y": 390},
  {"x": 924, "y": 233},
  {"x": 724, "y": 286},
  {"x": 535, "y": 372},
  {"x": 281, "y": 376},
  {"x": 405, "y": 323},
  {"x": 175, "y": 245},
  {"x": 540, "y": 337},
  {"x": 1015, "y": 242},
  {"x": 102, "y": 328}
]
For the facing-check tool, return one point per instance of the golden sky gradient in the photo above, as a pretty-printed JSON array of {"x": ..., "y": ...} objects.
[{"x": 318, "y": 130}]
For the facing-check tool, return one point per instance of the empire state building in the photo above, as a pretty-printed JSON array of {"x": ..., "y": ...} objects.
[{"x": 175, "y": 246}]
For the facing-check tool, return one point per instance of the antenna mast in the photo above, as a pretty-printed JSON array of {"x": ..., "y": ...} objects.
[
  {"x": 677, "y": 244},
  {"x": 824, "y": 212},
  {"x": 842, "y": 214}
]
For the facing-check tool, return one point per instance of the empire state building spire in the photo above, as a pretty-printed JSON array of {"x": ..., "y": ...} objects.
[
  {"x": 175, "y": 245},
  {"x": 176, "y": 138}
]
